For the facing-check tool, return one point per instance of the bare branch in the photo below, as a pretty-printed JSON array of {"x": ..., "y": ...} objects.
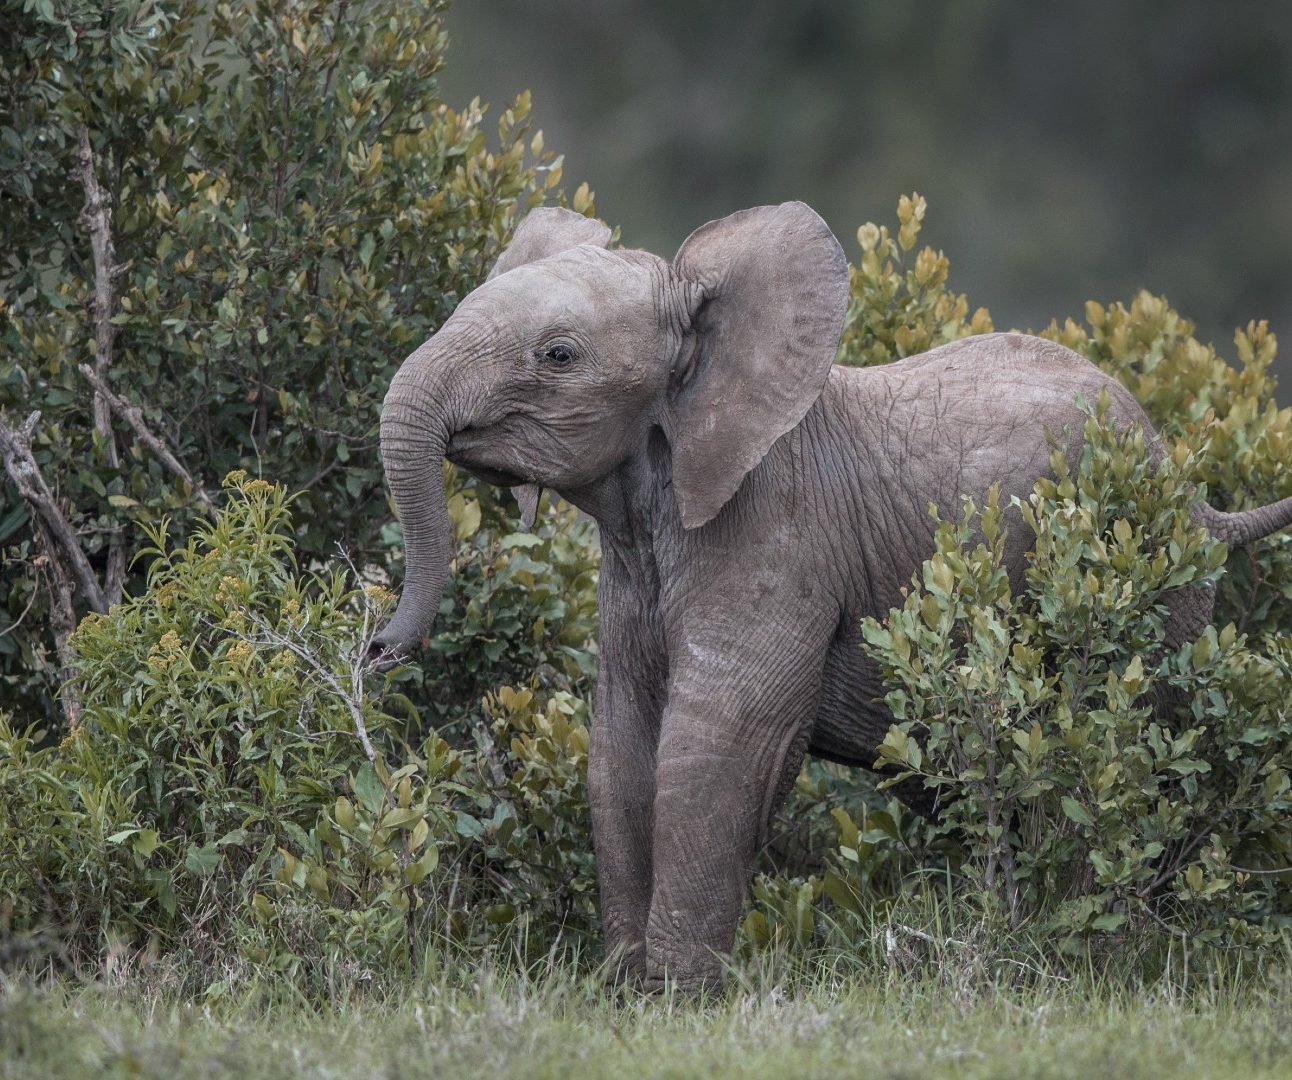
[
  {"x": 31, "y": 600},
  {"x": 97, "y": 216},
  {"x": 353, "y": 697},
  {"x": 134, "y": 416},
  {"x": 15, "y": 448},
  {"x": 62, "y": 620}
]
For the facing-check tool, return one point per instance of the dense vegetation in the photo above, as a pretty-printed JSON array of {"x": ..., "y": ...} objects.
[{"x": 200, "y": 776}]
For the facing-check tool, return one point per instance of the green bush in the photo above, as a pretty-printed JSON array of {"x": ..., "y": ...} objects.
[
  {"x": 239, "y": 789},
  {"x": 219, "y": 719},
  {"x": 1227, "y": 413},
  {"x": 1065, "y": 803},
  {"x": 291, "y": 208},
  {"x": 216, "y": 800},
  {"x": 518, "y": 606},
  {"x": 1033, "y": 715},
  {"x": 898, "y": 309}
]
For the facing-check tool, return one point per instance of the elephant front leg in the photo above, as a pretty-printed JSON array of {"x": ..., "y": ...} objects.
[
  {"x": 621, "y": 791},
  {"x": 734, "y": 733},
  {"x": 621, "y": 765}
]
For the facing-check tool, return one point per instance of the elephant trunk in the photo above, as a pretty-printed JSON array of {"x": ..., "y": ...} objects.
[{"x": 417, "y": 421}]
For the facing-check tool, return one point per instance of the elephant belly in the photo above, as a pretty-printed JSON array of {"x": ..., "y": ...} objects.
[{"x": 851, "y": 718}]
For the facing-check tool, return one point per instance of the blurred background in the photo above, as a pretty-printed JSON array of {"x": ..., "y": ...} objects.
[{"x": 1068, "y": 152}]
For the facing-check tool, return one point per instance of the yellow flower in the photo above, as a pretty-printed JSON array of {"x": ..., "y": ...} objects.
[
  {"x": 380, "y": 595},
  {"x": 229, "y": 589},
  {"x": 165, "y": 652}
]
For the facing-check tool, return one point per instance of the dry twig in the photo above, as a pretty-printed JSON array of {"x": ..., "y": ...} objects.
[
  {"x": 59, "y": 548},
  {"x": 15, "y": 448},
  {"x": 97, "y": 217},
  {"x": 134, "y": 416}
]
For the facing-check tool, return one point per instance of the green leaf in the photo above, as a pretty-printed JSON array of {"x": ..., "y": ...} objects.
[
  {"x": 520, "y": 540},
  {"x": 1076, "y": 812},
  {"x": 10, "y": 523},
  {"x": 368, "y": 789},
  {"x": 202, "y": 861}
]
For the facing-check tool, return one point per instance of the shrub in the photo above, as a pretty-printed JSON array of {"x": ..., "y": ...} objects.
[
  {"x": 1033, "y": 715},
  {"x": 1228, "y": 414},
  {"x": 518, "y": 606},
  {"x": 899, "y": 309},
  {"x": 239, "y": 789},
  {"x": 288, "y": 207},
  {"x": 220, "y": 717}
]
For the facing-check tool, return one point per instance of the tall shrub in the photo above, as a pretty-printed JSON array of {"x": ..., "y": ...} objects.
[{"x": 240, "y": 219}]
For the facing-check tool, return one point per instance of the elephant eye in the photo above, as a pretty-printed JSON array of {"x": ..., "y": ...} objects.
[{"x": 560, "y": 355}]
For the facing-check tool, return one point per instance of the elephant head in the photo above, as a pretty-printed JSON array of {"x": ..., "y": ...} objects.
[{"x": 555, "y": 371}]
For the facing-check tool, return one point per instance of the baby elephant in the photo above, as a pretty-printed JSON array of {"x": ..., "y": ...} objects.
[{"x": 755, "y": 502}]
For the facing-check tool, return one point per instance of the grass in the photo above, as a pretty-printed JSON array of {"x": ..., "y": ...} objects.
[{"x": 938, "y": 1018}]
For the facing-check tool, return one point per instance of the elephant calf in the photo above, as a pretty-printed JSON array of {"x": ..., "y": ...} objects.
[{"x": 755, "y": 502}]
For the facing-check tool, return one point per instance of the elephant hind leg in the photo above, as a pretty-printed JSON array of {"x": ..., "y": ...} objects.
[
  {"x": 1191, "y": 611},
  {"x": 1192, "y": 608}
]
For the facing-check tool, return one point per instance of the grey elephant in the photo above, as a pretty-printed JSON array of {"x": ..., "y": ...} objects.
[{"x": 754, "y": 500}]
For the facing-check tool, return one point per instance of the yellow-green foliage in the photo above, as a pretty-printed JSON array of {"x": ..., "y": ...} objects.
[
  {"x": 900, "y": 301},
  {"x": 294, "y": 207},
  {"x": 239, "y": 790},
  {"x": 1064, "y": 800},
  {"x": 1033, "y": 715},
  {"x": 1226, "y": 412},
  {"x": 518, "y": 605}
]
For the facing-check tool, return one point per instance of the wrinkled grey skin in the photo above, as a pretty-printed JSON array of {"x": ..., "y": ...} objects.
[{"x": 754, "y": 501}]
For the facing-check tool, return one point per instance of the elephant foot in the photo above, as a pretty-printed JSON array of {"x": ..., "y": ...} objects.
[
  {"x": 697, "y": 989},
  {"x": 690, "y": 970},
  {"x": 626, "y": 968}
]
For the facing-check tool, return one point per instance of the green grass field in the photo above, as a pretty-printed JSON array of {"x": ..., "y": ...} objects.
[{"x": 553, "y": 1023}]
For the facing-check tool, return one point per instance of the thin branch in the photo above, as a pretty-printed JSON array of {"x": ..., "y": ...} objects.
[
  {"x": 134, "y": 416},
  {"x": 360, "y": 667},
  {"x": 1252, "y": 870},
  {"x": 31, "y": 600},
  {"x": 97, "y": 217},
  {"x": 58, "y": 545},
  {"x": 62, "y": 620},
  {"x": 15, "y": 448}
]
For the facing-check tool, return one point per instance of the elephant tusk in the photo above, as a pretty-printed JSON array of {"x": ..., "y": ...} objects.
[{"x": 527, "y": 495}]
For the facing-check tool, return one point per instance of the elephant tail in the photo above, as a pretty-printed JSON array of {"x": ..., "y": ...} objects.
[{"x": 1246, "y": 525}]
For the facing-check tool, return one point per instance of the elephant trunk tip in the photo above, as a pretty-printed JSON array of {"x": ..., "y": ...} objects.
[
  {"x": 393, "y": 645},
  {"x": 383, "y": 654}
]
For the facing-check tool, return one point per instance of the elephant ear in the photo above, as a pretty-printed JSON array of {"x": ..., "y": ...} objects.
[
  {"x": 547, "y": 230},
  {"x": 772, "y": 294}
]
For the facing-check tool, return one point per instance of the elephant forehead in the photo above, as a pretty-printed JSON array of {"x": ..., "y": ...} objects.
[{"x": 585, "y": 286}]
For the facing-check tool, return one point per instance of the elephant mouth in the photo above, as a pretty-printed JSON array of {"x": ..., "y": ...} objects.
[
  {"x": 494, "y": 476},
  {"x": 465, "y": 450}
]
